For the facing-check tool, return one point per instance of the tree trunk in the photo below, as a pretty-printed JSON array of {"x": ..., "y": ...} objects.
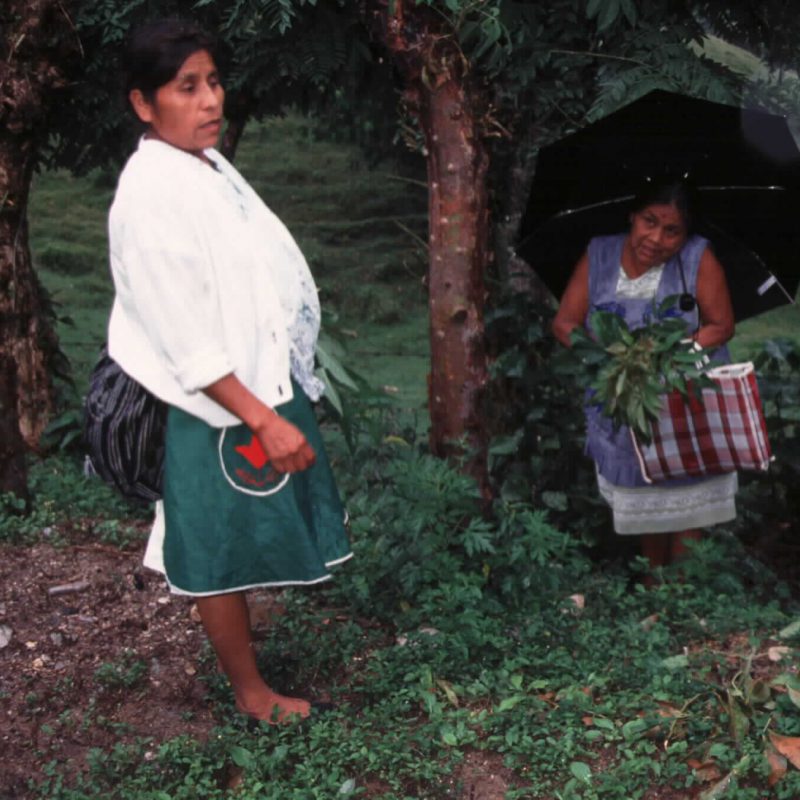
[
  {"x": 237, "y": 112},
  {"x": 13, "y": 470},
  {"x": 232, "y": 137},
  {"x": 458, "y": 236},
  {"x": 448, "y": 106},
  {"x": 32, "y": 47}
]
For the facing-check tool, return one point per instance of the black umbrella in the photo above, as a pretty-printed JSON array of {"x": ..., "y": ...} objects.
[{"x": 745, "y": 164}]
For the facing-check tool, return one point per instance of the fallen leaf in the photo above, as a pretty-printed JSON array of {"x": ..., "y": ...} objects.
[
  {"x": 235, "y": 777},
  {"x": 449, "y": 691},
  {"x": 706, "y": 771},
  {"x": 587, "y": 720},
  {"x": 648, "y": 622},
  {"x": 578, "y": 600},
  {"x": 667, "y": 710},
  {"x": 5, "y": 635},
  {"x": 777, "y": 764},
  {"x": 777, "y": 652},
  {"x": 194, "y": 614},
  {"x": 719, "y": 788},
  {"x": 788, "y": 746}
]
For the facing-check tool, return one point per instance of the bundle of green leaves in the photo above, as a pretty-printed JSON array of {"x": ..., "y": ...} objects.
[{"x": 630, "y": 371}]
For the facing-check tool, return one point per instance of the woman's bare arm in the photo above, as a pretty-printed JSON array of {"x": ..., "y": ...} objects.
[
  {"x": 714, "y": 303},
  {"x": 285, "y": 446},
  {"x": 574, "y": 304}
]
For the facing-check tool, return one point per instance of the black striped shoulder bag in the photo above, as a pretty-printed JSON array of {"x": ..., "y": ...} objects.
[{"x": 124, "y": 428}]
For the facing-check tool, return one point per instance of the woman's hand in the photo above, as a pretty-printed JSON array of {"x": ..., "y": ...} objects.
[
  {"x": 283, "y": 443},
  {"x": 285, "y": 446}
]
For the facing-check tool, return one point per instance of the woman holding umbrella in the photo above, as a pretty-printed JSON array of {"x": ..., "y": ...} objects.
[
  {"x": 625, "y": 273},
  {"x": 216, "y": 313}
]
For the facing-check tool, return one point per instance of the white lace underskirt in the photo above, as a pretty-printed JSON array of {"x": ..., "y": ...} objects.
[{"x": 649, "y": 509}]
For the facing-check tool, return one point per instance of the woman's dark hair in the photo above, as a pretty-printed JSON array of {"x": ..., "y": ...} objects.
[
  {"x": 156, "y": 50},
  {"x": 668, "y": 191}
]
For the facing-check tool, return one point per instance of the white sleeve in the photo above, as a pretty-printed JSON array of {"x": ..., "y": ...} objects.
[{"x": 164, "y": 278}]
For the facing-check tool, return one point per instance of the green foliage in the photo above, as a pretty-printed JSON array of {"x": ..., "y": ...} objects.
[
  {"x": 419, "y": 527},
  {"x": 771, "y": 499},
  {"x": 766, "y": 28},
  {"x": 125, "y": 673},
  {"x": 629, "y": 371},
  {"x": 606, "y": 12},
  {"x": 655, "y": 57},
  {"x": 274, "y": 54},
  {"x": 17, "y": 525},
  {"x": 536, "y": 453},
  {"x": 62, "y": 497},
  {"x": 348, "y": 397}
]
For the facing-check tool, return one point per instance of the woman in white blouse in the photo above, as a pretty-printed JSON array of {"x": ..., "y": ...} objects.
[{"x": 217, "y": 314}]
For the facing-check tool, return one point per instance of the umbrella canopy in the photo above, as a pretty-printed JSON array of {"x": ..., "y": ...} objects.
[{"x": 744, "y": 163}]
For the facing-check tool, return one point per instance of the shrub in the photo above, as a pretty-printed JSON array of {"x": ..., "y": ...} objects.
[{"x": 535, "y": 404}]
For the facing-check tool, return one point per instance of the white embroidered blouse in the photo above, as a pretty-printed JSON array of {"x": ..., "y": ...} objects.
[{"x": 208, "y": 282}]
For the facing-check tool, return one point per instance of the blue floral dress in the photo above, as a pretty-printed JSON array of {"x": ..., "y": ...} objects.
[{"x": 639, "y": 507}]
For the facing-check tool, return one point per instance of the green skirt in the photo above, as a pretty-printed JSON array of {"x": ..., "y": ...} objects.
[{"x": 232, "y": 522}]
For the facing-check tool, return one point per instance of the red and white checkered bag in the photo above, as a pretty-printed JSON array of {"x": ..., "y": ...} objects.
[{"x": 719, "y": 432}]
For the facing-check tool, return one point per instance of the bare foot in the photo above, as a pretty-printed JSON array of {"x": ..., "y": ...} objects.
[{"x": 274, "y": 708}]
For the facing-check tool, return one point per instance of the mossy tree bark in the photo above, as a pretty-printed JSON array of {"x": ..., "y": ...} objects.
[
  {"x": 439, "y": 90},
  {"x": 33, "y": 51}
]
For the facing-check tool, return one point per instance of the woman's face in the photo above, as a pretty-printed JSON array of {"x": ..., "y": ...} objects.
[
  {"x": 187, "y": 111},
  {"x": 657, "y": 233}
]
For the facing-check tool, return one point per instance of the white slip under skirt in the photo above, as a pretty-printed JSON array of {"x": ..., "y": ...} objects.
[{"x": 654, "y": 509}]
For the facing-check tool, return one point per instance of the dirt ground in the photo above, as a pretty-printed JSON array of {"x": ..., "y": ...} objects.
[
  {"x": 71, "y": 614},
  {"x": 76, "y": 623}
]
